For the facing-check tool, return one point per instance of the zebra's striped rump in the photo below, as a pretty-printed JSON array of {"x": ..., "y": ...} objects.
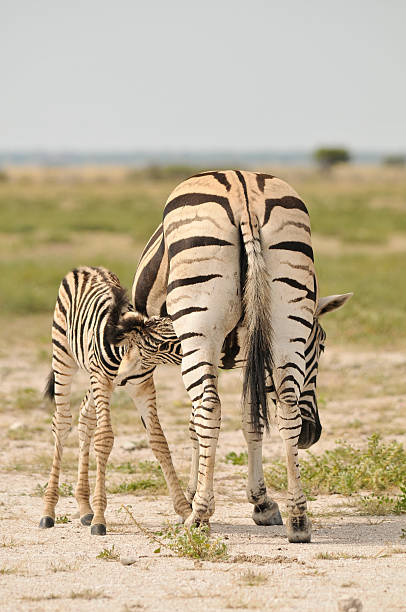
[{"x": 232, "y": 265}]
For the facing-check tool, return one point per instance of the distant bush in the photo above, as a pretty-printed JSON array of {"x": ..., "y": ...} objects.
[
  {"x": 394, "y": 160},
  {"x": 3, "y": 176},
  {"x": 327, "y": 157},
  {"x": 173, "y": 172}
]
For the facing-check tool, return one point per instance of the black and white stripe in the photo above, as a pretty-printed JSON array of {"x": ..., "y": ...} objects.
[
  {"x": 94, "y": 327},
  {"x": 232, "y": 265}
]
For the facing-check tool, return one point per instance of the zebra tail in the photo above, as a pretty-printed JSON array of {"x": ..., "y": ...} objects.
[
  {"x": 257, "y": 320},
  {"x": 49, "y": 391}
]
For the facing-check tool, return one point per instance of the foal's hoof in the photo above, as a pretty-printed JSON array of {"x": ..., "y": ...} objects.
[
  {"x": 46, "y": 522},
  {"x": 86, "y": 519},
  {"x": 299, "y": 529},
  {"x": 98, "y": 529},
  {"x": 267, "y": 514}
]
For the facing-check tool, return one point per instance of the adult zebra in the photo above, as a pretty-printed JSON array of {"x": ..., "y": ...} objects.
[
  {"x": 232, "y": 265},
  {"x": 94, "y": 326}
]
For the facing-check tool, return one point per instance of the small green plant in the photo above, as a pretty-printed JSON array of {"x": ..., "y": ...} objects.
[
  {"x": 40, "y": 489},
  {"x": 346, "y": 469},
  {"x": 137, "y": 485},
  {"x": 382, "y": 505},
  {"x": 400, "y": 505},
  {"x": 191, "y": 542},
  {"x": 109, "y": 554},
  {"x": 127, "y": 467},
  {"x": 403, "y": 533},
  {"x": 65, "y": 489},
  {"x": 150, "y": 478},
  {"x": 62, "y": 518},
  {"x": 194, "y": 542},
  {"x": 241, "y": 459}
]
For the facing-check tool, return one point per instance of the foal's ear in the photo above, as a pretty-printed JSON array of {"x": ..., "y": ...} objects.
[
  {"x": 128, "y": 327},
  {"x": 331, "y": 302}
]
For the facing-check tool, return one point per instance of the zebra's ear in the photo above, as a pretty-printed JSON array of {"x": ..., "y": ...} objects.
[{"x": 331, "y": 302}]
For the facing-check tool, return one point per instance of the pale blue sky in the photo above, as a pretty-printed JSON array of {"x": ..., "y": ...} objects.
[{"x": 128, "y": 75}]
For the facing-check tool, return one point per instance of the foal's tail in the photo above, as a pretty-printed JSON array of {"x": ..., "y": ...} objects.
[{"x": 49, "y": 391}]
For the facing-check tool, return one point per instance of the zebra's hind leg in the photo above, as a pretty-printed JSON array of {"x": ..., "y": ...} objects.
[
  {"x": 207, "y": 417},
  {"x": 266, "y": 511},
  {"x": 194, "y": 468},
  {"x": 61, "y": 424},
  {"x": 144, "y": 397},
  {"x": 103, "y": 443},
  {"x": 86, "y": 427},
  {"x": 289, "y": 423}
]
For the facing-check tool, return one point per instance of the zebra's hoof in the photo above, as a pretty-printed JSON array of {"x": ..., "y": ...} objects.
[
  {"x": 194, "y": 521},
  {"x": 267, "y": 514},
  {"x": 86, "y": 519},
  {"x": 46, "y": 522},
  {"x": 98, "y": 529},
  {"x": 299, "y": 529}
]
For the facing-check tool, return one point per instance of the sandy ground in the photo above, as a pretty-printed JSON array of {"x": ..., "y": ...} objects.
[{"x": 58, "y": 569}]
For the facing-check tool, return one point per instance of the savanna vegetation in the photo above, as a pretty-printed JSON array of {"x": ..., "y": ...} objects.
[
  {"x": 358, "y": 220},
  {"x": 354, "y": 478}
]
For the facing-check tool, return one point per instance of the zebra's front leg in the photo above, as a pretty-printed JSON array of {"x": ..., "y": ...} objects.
[
  {"x": 86, "y": 427},
  {"x": 61, "y": 424},
  {"x": 289, "y": 423},
  {"x": 103, "y": 443},
  {"x": 144, "y": 396},
  {"x": 266, "y": 511},
  {"x": 194, "y": 468}
]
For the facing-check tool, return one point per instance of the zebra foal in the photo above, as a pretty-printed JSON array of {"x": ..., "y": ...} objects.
[
  {"x": 94, "y": 326},
  {"x": 232, "y": 265}
]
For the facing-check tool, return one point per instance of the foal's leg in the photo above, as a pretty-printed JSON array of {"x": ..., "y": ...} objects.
[
  {"x": 86, "y": 427},
  {"x": 266, "y": 511},
  {"x": 61, "y": 425},
  {"x": 101, "y": 389},
  {"x": 144, "y": 396}
]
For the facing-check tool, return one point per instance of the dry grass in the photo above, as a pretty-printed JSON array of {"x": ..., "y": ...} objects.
[{"x": 252, "y": 578}]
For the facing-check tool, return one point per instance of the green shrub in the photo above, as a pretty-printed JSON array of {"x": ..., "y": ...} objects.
[
  {"x": 346, "y": 470},
  {"x": 241, "y": 459}
]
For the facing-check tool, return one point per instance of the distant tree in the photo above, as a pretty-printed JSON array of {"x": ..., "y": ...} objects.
[
  {"x": 394, "y": 160},
  {"x": 327, "y": 157}
]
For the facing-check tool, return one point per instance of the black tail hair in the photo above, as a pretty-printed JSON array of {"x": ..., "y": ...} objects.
[
  {"x": 49, "y": 391},
  {"x": 259, "y": 361}
]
